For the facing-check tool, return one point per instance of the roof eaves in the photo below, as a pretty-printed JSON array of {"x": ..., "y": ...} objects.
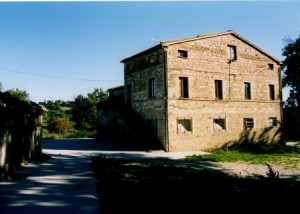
[
  {"x": 256, "y": 47},
  {"x": 142, "y": 52},
  {"x": 200, "y": 36}
]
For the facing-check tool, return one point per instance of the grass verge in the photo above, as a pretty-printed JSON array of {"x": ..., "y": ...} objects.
[{"x": 140, "y": 186}]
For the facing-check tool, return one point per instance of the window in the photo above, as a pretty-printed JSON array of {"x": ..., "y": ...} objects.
[
  {"x": 182, "y": 54},
  {"x": 231, "y": 52},
  {"x": 248, "y": 123},
  {"x": 184, "y": 88},
  {"x": 184, "y": 126},
  {"x": 247, "y": 90},
  {"x": 272, "y": 121},
  {"x": 152, "y": 125},
  {"x": 218, "y": 89},
  {"x": 151, "y": 59},
  {"x": 129, "y": 91},
  {"x": 129, "y": 66},
  {"x": 271, "y": 92},
  {"x": 151, "y": 88},
  {"x": 219, "y": 124},
  {"x": 270, "y": 66}
]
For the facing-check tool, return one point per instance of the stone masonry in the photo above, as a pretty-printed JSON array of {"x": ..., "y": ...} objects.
[{"x": 203, "y": 92}]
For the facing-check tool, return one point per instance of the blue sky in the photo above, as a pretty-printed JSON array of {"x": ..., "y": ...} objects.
[{"x": 58, "y": 50}]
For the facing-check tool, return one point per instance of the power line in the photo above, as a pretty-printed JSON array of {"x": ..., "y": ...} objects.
[{"x": 57, "y": 77}]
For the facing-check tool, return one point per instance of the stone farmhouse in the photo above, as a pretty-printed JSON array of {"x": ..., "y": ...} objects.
[{"x": 205, "y": 92}]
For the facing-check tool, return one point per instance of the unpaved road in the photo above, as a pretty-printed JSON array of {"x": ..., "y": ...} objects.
[{"x": 65, "y": 183}]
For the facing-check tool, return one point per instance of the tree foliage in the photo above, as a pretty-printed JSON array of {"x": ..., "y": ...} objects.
[
  {"x": 54, "y": 110},
  {"x": 20, "y": 94},
  {"x": 60, "y": 125},
  {"x": 291, "y": 78},
  {"x": 291, "y": 70},
  {"x": 84, "y": 111}
]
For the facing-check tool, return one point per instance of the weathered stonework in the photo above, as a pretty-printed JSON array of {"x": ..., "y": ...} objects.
[{"x": 206, "y": 60}]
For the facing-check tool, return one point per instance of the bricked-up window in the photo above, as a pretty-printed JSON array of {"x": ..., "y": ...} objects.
[
  {"x": 219, "y": 124},
  {"x": 272, "y": 121},
  {"x": 182, "y": 54},
  {"x": 247, "y": 90},
  {"x": 184, "y": 87},
  {"x": 271, "y": 92},
  {"x": 129, "y": 93},
  {"x": 232, "y": 53},
  {"x": 151, "y": 88},
  {"x": 270, "y": 66},
  {"x": 248, "y": 123},
  {"x": 218, "y": 89},
  {"x": 184, "y": 125}
]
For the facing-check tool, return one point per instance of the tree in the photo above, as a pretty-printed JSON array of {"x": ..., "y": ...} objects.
[
  {"x": 60, "y": 125},
  {"x": 84, "y": 112},
  {"x": 20, "y": 94},
  {"x": 291, "y": 78},
  {"x": 291, "y": 69},
  {"x": 1, "y": 87},
  {"x": 54, "y": 110}
]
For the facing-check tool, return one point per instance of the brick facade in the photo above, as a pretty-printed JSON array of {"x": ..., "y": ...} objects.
[{"x": 199, "y": 93}]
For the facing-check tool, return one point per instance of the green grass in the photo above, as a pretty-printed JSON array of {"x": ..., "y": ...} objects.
[
  {"x": 140, "y": 186},
  {"x": 287, "y": 156},
  {"x": 71, "y": 134}
]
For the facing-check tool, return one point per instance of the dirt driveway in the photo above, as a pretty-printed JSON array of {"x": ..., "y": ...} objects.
[
  {"x": 93, "y": 147},
  {"x": 65, "y": 183}
]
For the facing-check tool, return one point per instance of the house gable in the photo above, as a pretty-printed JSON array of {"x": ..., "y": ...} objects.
[{"x": 213, "y": 35}]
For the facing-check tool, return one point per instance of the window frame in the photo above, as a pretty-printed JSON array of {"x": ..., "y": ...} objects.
[
  {"x": 247, "y": 90},
  {"x": 232, "y": 53},
  {"x": 151, "y": 59},
  {"x": 271, "y": 92},
  {"x": 151, "y": 87},
  {"x": 182, "y": 54},
  {"x": 184, "y": 128},
  {"x": 270, "y": 66},
  {"x": 221, "y": 125},
  {"x": 247, "y": 121},
  {"x": 272, "y": 121},
  {"x": 183, "y": 87},
  {"x": 218, "y": 89},
  {"x": 129, "y": 66}
]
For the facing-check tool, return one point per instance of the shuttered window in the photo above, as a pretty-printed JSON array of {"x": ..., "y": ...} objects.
[{"x": 248, "y": 123}]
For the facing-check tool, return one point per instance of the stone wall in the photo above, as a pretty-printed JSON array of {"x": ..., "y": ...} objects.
[
  {"x": 206, "y": 62},
  {"x": 201, "y": 62},
  {"x": 20, "y": 133},
  {"x": 138, "y": 75}
]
